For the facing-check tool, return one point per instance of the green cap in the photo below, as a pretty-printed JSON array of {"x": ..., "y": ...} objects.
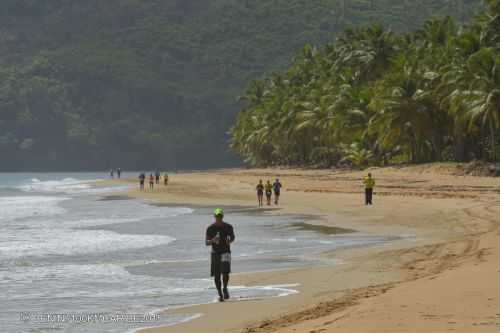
[{"x": 218, "y": 212}]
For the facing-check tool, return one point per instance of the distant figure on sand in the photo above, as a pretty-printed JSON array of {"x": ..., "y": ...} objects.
[
  {"x": 260, "y": 193},
  {"x": 142, "y": 178},
  {"x": 112, "y": 173},
  {"x": 269, "y": 192},
  {"x": 165, "y": 179},
  {"x": 369, "y": 183},
  {"x": 277, "y": 191},
  {"x": 119, "y": 172},
  {"x": 157, "y": 177},
  {"x": 151, "y": 181},
  {"x": 220, "y": 235}
]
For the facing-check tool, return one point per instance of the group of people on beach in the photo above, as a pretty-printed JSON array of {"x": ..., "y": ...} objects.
[
  {"x": 153, "y": 179},
  {"x": 220, "y": 235},
  {"x": 118, "y": 172},
  {"x": 269, "y": 189}
]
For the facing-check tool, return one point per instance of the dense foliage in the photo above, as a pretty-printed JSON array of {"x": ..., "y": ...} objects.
[
  {"x": 374, "y": 97},
  {"x": 146, "y": 84}
]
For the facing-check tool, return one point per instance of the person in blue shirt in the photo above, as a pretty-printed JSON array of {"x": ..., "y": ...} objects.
[
  {"x": 142, "y": 177},
  {"x": 277, "y": 191}
]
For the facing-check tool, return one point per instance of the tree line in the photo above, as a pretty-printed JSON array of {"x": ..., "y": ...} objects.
[{"x": 374, "y": 97}]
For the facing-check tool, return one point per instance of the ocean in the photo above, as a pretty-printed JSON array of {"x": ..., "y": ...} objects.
[{"x": 73, "y": 260}]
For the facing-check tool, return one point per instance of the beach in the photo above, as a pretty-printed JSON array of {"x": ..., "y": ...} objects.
[
  {"x": 440, "y": 274},
  {"x": 79, "y": 254}
]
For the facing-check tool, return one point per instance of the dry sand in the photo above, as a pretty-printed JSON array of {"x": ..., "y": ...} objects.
[{"x": 447, "y": 278}]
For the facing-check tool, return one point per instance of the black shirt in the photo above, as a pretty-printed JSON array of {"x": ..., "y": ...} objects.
[{"x": 224, "y": 230}]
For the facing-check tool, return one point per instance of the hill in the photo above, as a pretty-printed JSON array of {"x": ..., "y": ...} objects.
[{"x": 130, "y": 83}]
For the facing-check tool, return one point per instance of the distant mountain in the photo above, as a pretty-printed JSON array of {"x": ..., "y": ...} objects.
[{"x": 144, "y": 84}]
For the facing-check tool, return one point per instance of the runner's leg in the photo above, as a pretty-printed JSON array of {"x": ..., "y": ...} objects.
[
  {"x": 218, "y": 285},
  {"x": 225, "y": 281}
]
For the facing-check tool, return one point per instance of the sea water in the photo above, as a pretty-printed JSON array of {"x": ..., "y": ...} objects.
[{"x": 72, "y": 261}]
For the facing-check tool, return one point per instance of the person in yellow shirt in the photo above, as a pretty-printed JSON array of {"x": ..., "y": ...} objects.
[
  {"x": 369, "y": 182},
  {"x": 269, "y": 192}
]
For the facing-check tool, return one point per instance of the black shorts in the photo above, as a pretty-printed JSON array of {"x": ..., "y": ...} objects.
[
  {"x": 277, "y": 193},
  {"x": 260, "y": 193},
  {"x": 220, "y": 263}
]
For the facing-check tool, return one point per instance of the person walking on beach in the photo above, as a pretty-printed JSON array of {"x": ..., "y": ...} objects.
[
  {"x": 269, "y": 192},
  {"x": 142, "y": 178},
  {"x": 165, "y": 179},
  {"x": 369, "y": 183},
  {"x": 112, "y": 173},
  {"x": 119, "y": 172},
  {"x": 220, "y": 235},
  {"x": 151, "y": 181},
  {"x": 157, "y": 176},
  {"x": 277, "y": 191},
  {"x": 260, "y": 193}
]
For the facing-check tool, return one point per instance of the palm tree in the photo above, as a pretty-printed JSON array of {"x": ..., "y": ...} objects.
[
  {"x": 476, "y": 99},
  {"x": 254, "y": 94},
  {"x": 404, "y": 112},
  {"x": 416, "y": 96},
  {"x": 438, "y": 33},
  {"x": 490, "y": 24},
  {"x": 482, "y": 99}
]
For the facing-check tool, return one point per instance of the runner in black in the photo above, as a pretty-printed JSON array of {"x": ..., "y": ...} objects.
[
  {"x": 142, "y": 177},
  {"x": 220, "y": 235},
  {"x": 157, "y": 177}
]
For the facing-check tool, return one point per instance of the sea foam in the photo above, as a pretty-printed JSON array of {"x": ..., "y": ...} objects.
[
  {"x": 17, "y": 207},
  {"x": 66, "y": 185},
  {"x": 62, "y": 242}
]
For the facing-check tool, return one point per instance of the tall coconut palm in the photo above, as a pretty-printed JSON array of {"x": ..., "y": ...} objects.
[
  {"x": 417, "y": 96},
  {"x": 475, "y": 99},
  {"x": 403, "y": 112}
]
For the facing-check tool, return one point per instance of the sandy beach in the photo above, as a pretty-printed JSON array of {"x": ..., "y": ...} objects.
[{"x": 443, "y": 277}]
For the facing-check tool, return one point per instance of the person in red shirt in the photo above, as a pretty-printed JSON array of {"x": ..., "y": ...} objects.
[
  {"x": 151, "y": 181},
  {"x": 260, "y": 193}
]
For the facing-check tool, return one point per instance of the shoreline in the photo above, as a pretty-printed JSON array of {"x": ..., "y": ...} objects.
[
  {"x": 450, "y": 243},
  {"x": 242, "y": 278}
]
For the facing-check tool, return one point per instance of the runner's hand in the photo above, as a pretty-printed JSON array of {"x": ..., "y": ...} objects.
[{"x": 216, "y": 240}]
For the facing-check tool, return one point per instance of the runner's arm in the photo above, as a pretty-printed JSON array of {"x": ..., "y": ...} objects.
[
  {"x": 232, "y": 237},
  {"x": 208, "y": 239}
]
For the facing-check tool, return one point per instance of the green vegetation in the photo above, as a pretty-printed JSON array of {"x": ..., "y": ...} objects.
[
  {"x": 146, "y": 84},
  {"x": 374, "y": 97}
]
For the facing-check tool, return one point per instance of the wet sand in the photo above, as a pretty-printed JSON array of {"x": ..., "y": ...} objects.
[{"x": 443, "y": 278}]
